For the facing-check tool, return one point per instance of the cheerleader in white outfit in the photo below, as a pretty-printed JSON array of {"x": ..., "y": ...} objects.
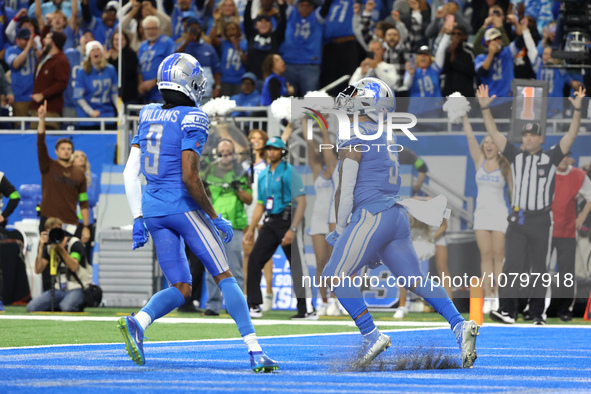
[
  {"x": 323, "y": 165},
  {"x": 490, "y": 217}
]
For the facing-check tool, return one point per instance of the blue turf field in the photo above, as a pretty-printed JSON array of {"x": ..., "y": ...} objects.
[{"x": 509, "y": 359}]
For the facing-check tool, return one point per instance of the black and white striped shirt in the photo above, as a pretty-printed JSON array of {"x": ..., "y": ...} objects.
[{"x": 533, "y": 177}]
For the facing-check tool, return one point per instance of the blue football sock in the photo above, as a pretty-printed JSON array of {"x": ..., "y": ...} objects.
[
  {"x": 164, "y": 302},
  {"x": 236, "y": 305},
  {"x": 351, "y": 298},
  {"x": 437, "y": 297},
  {"x": 365, "y": 324}
]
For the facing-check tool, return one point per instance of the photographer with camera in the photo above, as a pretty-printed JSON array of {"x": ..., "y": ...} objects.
[
  {"x": 228, "y": 184},
  {"x": 71, "y": 265}
]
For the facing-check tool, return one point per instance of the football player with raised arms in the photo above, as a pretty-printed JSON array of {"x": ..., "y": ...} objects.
[
  {"x": 368, "y": 192},
  {"x": 175, "y": 208}
]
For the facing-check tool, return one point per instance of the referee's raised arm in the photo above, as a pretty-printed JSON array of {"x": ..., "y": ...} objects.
[
  {"x": 499, "y": 139},
  {"x": 569, "y": 138}
]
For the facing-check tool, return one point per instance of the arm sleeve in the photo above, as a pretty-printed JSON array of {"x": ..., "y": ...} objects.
[
  {"x": 510, "y": 152},
  {"x": 42, "y": 155},
  {"x": 555, "y": 154},
  {"x": 348, "y": 182},
  {"x": 131, "y": 178},
  {"x": 584, "y": 191},
  {"x": 441, "y": 49},
  {"x": 11, "y": 30},
  {"x": 325, "y": 8},
  {"x": 78, "y": 252},
  {"x": 85, "y": 106},
  {"x": 274, "y": 89},
  {"x": 7, "y": 189},
  {"x": 530, "y": 45}
]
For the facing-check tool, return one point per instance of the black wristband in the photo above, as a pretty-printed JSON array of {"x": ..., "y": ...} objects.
[
  {"x": 484, "y": 108},
  {"x": 578, "y": 109}
]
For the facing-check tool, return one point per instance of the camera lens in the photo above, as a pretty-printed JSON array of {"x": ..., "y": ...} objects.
[{"x": 56, "y": 235}]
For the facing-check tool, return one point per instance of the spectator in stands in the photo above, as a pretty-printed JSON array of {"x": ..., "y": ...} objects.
[
  {"x": 51, "y": 79},
  {"x": 131, "y": 23},
  {"x": 417, "y": 22},
  {"x": 422, "y": 81},
  {"x": 267, "y": 8},
  {"x": 366, "y": 29},
  {"x": 7, "y": 190},
  {"x": 233, "y": 57},
  {"x": 51, "y": 6},
  {"x": 495, "y": 68},
  {"x": 72, "y": 263},
  {"x": 248, "y": 96},
  {"x": 548, "y": 35},
  {"x": 21, "y": 59},
  {"x": 493, "y": 172},
  {"x": 21, "y": 20},
  {"x": 230, "y": 190},
  {"x": 275, "y": 85},
  {"x": 95, "y": 88},
  {"x": 449, "y": 11},
  {"x": 571, "y": 183},
  {"x": 80, "y": 160},
  {"x": 522, "y": 63},
  {"x": 129, "y": 62},
  {"x": 458, "y": 67},
  {"x": 182, "y": 10},
  {"x": 395, "y": 53},
  {"x": 557, "y": 78},
  {"x": 376, "y": 67},
  {"x": 150, "y": 54},
  {"x": 302, "y": 48},
  {"x": 225, "y": 12},
  {"x": 262, "y": 39},
  {"x": 207, "y": 57},
  {"x": 57, "y": 21},
  {"x": 339, "y": 54},
  {"x": 75, "y": 57},
  {"x": 149, "y": 9},
  {"x": 495, "y": 20},
  {"x": 104, "y": 27},
  {"x": 62, "y": 186}
]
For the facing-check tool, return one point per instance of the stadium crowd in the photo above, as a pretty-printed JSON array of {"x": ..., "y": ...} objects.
[
  {"x": 422, "y": 49},
  {"x": 67, "y": 53}
]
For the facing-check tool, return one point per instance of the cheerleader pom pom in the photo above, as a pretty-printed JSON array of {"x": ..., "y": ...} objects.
[
  {"x": 281, "y": 108},
  {"x": 219, "y": 106},
  {"x": 456, "y": 107}
]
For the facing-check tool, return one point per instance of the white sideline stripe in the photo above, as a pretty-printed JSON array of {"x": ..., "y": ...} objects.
[
  {"x": 256, "y": 322},
  {"x": 221, "y": 339},
  {"x": 264, "y": 322}
]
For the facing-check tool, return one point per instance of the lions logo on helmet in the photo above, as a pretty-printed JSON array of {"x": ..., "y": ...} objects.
[
  {"x": 368, "y": 96},
  {"x": 183, "y": 73}
]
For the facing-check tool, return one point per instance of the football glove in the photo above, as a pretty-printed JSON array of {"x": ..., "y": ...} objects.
[
  {"x": 331, "y": 238},
  {"x": 225, "y": 226},
  {"x": 140, "y": 233}
]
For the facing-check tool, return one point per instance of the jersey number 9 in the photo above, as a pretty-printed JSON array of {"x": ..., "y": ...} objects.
[{"x": 153, "y": 149}]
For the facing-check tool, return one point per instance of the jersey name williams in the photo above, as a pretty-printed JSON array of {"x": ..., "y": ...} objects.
[{"x": 158, "y": 115}]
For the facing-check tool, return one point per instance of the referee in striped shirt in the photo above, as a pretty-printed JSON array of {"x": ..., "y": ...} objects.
[{"x": 530, "y": 221}]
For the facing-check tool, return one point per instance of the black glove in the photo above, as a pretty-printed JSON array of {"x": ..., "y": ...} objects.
[{"x": 236, "y": 185}]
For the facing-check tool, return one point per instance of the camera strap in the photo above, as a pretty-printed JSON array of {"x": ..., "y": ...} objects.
[{"x": 71, "y": 243}]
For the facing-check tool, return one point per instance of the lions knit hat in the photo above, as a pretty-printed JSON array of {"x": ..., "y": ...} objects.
[
  {"x": 91, "y": 45},
  {"x": 59, "y": 39}
]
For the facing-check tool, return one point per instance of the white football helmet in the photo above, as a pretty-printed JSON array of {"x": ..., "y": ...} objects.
[
  {"x": 183, "y": 73},
  {"x": 368, "y": 96}
]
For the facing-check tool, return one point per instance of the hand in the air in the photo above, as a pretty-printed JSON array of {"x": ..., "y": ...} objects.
[{"x": 140, "y": 233}]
